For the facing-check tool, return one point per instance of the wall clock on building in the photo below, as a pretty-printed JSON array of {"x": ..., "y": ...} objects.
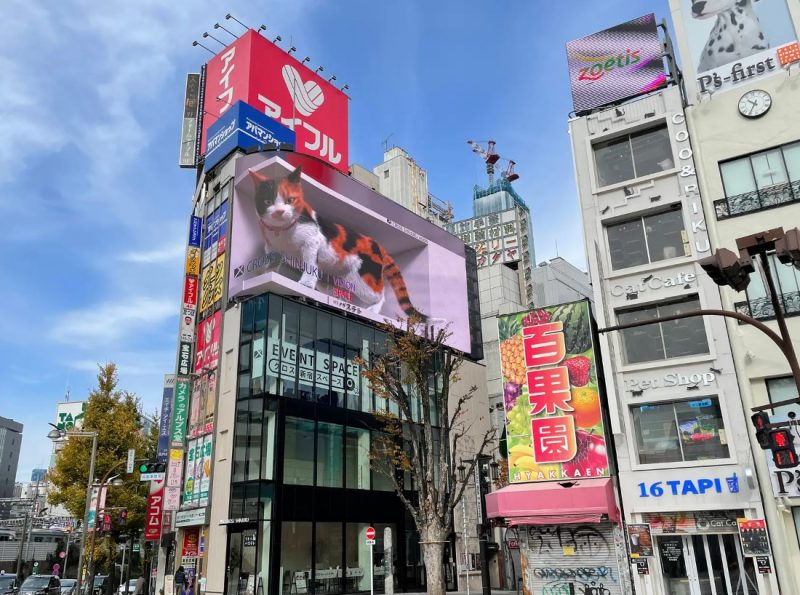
[{"x": 755, "y": 103}]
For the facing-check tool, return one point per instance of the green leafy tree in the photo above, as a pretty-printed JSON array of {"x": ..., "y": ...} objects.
[
  {"x": 116, "y": 416},
  {"x": 427, "y": 420}
]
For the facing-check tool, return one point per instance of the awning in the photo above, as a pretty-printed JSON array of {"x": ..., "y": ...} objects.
[{"x": 551, "y": 502}]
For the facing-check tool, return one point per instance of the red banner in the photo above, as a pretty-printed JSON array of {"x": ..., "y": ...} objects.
[
  {"x": 261, "y": 74},
  {"x": 191, "y": 538},
  {"x": 155, "y": 510}
]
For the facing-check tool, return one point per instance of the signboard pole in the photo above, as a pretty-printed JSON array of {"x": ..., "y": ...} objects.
[{"x": 371, "y": 569}]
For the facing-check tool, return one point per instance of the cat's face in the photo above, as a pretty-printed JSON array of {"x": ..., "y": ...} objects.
[{"x": 279, "y": 202}]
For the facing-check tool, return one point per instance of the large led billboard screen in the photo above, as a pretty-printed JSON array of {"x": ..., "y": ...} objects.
[
  {"x": 620, "y": 62},
  {"x": 254, "y": 70},
  {"x": 301, "y": 227},
  {"x": 554, "y": 417}
]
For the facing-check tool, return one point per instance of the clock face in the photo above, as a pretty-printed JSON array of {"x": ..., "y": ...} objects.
[{"x": 755, "y": 103}]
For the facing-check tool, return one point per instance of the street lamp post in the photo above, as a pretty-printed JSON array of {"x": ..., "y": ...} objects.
[
  {"x": 115, "y": 482},
  {"x": 58, "y": 434},
  {"x": 462, "y": 476}
]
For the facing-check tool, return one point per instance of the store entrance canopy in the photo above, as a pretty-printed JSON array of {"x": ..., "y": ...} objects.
[{"x": 554, "y": 502}]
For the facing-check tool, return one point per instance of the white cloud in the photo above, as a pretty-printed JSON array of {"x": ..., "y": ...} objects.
[
  {"x": 101, "y": 324},
  {"x": 170, "y": 253}
]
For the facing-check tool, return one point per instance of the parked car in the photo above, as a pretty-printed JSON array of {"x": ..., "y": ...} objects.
[
  {"x": 68, "y": 586},
  {"x": 99, "y": 586},
  {"x": 9, "y": 585},
  {"x": 41, "y": 584},
  {"x": 131, "y": 587}
]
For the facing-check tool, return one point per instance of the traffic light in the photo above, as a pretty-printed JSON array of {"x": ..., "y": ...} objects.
[
  {"x": 760, "y": 421},
  {"x": 106, "y": 523},
  {"x": 781, "y": 443},
  {"x": 123, "y": 516},
  {"x": 726, "y": 268},
  {"x": 152, "y": 467}
]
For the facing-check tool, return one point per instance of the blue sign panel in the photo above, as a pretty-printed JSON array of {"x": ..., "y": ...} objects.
[
  {"x": 195, "y": 229},
  {"x": 162, "y": 450},
  {"x": 243, "y": 126}
]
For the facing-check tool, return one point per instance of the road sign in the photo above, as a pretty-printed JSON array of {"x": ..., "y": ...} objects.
[
  {"x": 151, "y": 477},
  {"x": 371, "y": 533},
  {"x": 136, "y": 547},
  {"x": 131, "y": 457},
  {"x": 370, "y": 542}
]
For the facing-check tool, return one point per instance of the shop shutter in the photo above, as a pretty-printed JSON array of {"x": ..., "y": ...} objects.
[{"x": 585, "y": 556}]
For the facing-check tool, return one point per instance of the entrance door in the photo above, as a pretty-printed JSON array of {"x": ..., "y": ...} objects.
[
  {"x": 241, "y": 579},
  {"x": 705, "y": 565}
]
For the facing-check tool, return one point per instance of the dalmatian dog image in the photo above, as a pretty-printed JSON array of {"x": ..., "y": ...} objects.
[{"x": 736, "y": 34}]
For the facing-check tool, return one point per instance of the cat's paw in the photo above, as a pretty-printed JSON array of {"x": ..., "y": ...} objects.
[{"x": 309, "y": 281}]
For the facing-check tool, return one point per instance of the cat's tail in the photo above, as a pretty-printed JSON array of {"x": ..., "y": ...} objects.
[{"x": 395, "y": 278}]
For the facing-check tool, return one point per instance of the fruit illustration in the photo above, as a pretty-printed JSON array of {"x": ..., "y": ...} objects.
[
  {"x": 512, "y": 351},
  {"x": 519, "y": 421},
  {"x": 515, "y": 453},
  {"x": 579, "y": 367},
  {"x": 586, "y": 404},
  {"x": 591, "y": 458},
  {"x": 510, "y": 393},
  {"x": 536, "y": 317},
  {"x": 577, "y": 329}
]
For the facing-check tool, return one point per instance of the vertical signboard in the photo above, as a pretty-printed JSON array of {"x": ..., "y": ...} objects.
[
  {"x": 163, "y": 422},
  {"x": 179, "y": 412},
  {"x": 191, "y": 103},
  {"x": 554, "y": 421},
  {"x": 155, "y": 508}
]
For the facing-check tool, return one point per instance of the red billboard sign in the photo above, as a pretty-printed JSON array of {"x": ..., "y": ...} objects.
[
  {"x": 155, "y": 509},
  {"x": 258, "y": 72},
  {"x": 191, "y": 539},
  {"x": 190, "y": 292},
  {"x": 208, "y": 336}
]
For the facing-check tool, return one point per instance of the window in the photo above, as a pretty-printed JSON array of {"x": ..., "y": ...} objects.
[
  {"x": 328, "y": 555},
  {"x": 647, "y": 239},
  {"x": 759, "y": 181},
  {"x": 782, "y": 389},
  {"x": 633, "y": 156},
  {"x": 329, "y": 455},
  {"x": 787, "y": 285},
  {"x": 298, "y": 458},
  {"x": 385, "y": 174},
  {"x": 663, "y": 340},
  {"x": 356, "y": 453},
  {"x": 296, "y": 544},
  {"x": 680, "y": 431}
]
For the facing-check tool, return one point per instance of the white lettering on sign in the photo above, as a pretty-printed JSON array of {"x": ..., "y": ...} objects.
[
  {"x": 655, "y": 282},
  {"x": 227, "y": 89},
  {"x": 670, "y": 380},
  {"x": 690, "y": 192}
]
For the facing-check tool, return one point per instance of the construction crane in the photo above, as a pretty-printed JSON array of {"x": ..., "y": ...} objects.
[{"x": 486, "y": 151}]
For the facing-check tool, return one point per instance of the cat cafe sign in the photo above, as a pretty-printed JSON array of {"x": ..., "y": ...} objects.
[{"x": 654, "y": 283}]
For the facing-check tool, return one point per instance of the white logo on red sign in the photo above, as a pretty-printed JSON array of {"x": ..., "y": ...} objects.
[{"x": 307, "y": 96}]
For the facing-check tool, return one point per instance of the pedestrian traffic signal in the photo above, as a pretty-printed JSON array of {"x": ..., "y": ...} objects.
[
  {"x": 761, "y": 421},
  {"x": 123, "y": 516},
  {"x": 106, "y": 522},
  {"x": 781, "y": 443}
]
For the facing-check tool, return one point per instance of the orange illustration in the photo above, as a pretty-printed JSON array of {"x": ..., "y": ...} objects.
[{"x": 586, "y": 403}]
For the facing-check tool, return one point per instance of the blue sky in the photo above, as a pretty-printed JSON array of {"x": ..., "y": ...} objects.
[{"x": 95, "y": 205}]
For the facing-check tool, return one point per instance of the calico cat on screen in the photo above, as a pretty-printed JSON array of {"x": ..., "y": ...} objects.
[{"x": 292, "y": 228}]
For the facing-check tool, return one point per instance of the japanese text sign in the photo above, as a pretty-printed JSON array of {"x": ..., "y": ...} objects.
[
  {"x": 179, "y": 411},
  {"x": 554, "y": 422},
  {"x": 254, "y": 70},
  {"x": 155, "y": 509},
  {"x": 208, "y": 336}
]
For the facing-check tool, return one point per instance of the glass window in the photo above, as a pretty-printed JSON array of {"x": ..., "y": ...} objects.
[
  {"x": 291, "y": 328},
  {"x": 338, "y": 368},
  {"x": 664, "y": 340},
  {"x": 255, "y": 428},
  {"x": 356, "y": 453},
  {"x": 263, "y": 556},
  {"x": 680, "y": 431},
  {"x": 633, "y": 156},
  {"x": 240, "y": 442},
  {"x": 357, "y": 558},
  {"x": 329, "y": 455},
  {"x": 296, "y": 544},
  {"x": 647, "y": 239},
  {"x": 737, "y": 177},
  {"x": 323, "y": 358},
  {"x": 768, "y": 169},
  {"x": 328, "y": 557},
  {"x": 306, "y": 355},
  {"x": 272, "y": 351},
  {"x": 298, "y": 448},
  {"x": 268, "y": 444},
  {"x": 381, "y": 465},
  {"x": 782, "y": 389},
  {"x": 791, "y": 154}
]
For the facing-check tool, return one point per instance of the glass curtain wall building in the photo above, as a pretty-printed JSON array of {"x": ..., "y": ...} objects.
[{"x": 302, "y": 490}]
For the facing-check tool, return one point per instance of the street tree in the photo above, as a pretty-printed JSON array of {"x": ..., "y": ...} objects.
[
  {"x": 116, "y": 415},
  {"x": 428, "y": 429}
]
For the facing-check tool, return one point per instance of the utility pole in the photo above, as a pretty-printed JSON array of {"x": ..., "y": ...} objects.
[{"x": 22, "y": 543}]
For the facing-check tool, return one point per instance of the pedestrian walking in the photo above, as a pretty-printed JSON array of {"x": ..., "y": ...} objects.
[
  {"x": 139, "y": 586},
  {"x": 180, "y": 580}
]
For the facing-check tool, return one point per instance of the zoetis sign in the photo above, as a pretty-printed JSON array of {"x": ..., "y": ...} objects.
[
  {"x": 254, "y": 70},
  {"x": 554, "y": 422}
]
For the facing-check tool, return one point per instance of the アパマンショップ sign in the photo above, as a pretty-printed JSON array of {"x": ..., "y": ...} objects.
[{"x": 554, "y": 421}]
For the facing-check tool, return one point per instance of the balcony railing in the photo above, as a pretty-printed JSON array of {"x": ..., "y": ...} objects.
[
  {"x": 761, "y": 308},
  {"x": 757, "y": 200}
]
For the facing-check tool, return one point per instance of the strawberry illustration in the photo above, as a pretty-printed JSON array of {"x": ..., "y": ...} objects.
[
  {"x": 536, "y": 317},
  {"x": 579, "y": 367}
]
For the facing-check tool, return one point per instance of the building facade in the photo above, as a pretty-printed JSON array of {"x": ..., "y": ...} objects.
[
  {"x": 558, "y": 281},
  {"x": 680, "y": 433},
  {"x": 10, "y": 445},
  {"x": 744, "y": 123}
]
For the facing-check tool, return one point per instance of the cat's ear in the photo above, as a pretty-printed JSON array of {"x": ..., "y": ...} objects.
[
  {"x": 257, "y": 177},
  {"x": 294, "y": 177}
]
